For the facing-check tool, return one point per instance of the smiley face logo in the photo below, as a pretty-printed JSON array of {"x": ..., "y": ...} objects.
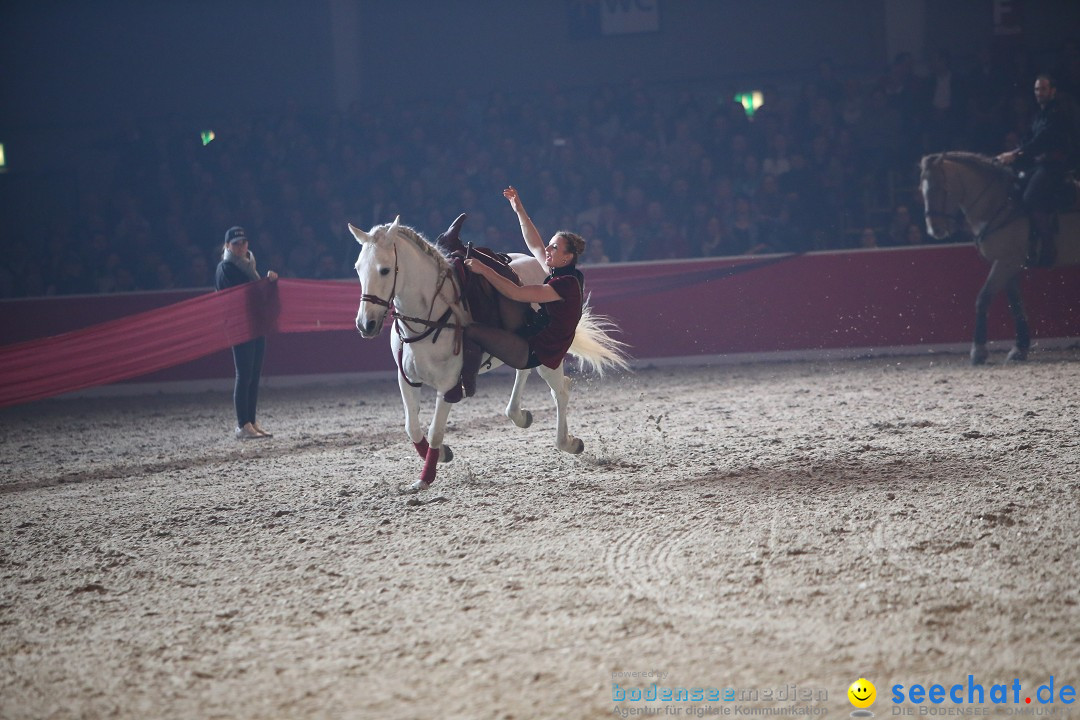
[{"x": 862, "y": 693}]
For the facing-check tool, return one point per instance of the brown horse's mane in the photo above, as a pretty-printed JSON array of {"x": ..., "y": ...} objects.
[{"x": 976, "y": 161}]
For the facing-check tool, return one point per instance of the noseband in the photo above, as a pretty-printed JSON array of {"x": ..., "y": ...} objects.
[{"x": 956, "y": 216}]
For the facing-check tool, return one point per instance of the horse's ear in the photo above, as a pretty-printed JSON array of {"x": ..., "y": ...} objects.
[
  {"x": 394, "y": 225},
  {"x": 361, "y": 236}
]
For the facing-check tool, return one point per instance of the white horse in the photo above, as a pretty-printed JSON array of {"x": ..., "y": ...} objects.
[{"x": 405, "y": 276}]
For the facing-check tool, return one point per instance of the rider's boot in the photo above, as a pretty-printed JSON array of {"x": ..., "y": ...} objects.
[
  {"x": 1042, "y": 238},
  {"x": 471, "y": 355},
  {"x": 1044, "y": 223},
  {"x": 450, "y": 241}
]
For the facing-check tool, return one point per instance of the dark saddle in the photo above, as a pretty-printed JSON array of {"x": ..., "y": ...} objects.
[
  {"x": 1044, "y": 226},
  {"x": 486, "y": 305}
]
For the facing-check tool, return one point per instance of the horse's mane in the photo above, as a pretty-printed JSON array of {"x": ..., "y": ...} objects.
[
  {"x": 419, "y": 241},
  {"x": 972, "y": 160}
]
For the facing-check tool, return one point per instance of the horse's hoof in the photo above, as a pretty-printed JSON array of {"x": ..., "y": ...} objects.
[
  {"x": 979, "y": 353},
  {"x": 526, "y": 419},
  {"x": 446, "y": 454},
  {"x": 578, "y": 447},
  {"x": 1017, "y": 355}
]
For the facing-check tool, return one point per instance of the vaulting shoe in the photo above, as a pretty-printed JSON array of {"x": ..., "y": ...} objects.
[
  {"x": 247, "y": 432},
  {"x": 454, "y": 394},
  {"x": 450, "y": 241}
]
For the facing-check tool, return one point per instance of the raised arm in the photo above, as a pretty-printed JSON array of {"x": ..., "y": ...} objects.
[{"x": 528, "y": 230}]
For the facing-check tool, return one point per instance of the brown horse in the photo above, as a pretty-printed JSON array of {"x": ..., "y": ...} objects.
[{"x": 959, "y": 186}]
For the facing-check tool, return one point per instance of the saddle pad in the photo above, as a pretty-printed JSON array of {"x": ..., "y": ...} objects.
[{"x": 480, "y": 297}]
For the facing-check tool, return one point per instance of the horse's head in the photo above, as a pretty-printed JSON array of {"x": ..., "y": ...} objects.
[
  {"x": 377, "y": 269},
  {"x": 942, "y": 207}
]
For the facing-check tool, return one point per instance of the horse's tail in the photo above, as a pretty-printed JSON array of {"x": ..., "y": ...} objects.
[{"x": 594, "y": 346}]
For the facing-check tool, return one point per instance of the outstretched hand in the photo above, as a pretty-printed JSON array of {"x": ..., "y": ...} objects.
[
  {"x": 512, "y": 195},
  {"x": 271, "y": 275}
]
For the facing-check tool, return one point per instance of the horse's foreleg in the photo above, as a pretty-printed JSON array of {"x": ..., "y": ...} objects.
[
  {"x": 1019, "y": 351},
  {"x": 521, "y": 418},
  {"x": 560, "y": 392},
  {"x": 436, "y": 452},
  {"x": 410, "y": 398},
  {"x": 1001, "y": 274}
]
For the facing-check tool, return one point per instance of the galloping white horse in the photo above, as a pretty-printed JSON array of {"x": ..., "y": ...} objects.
[
  {"x": 404, "y": 275},
  {"x": 956, "y": 184}
]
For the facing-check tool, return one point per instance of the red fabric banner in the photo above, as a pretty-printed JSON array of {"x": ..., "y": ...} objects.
[
  {"x": 818, "y": 301},
  {"x": 136, "y": 345}
]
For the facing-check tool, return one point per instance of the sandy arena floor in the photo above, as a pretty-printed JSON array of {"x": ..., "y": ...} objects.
[{"x": 910, "y": 520}]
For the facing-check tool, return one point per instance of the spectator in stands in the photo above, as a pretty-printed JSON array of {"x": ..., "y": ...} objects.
[
  {"x": 627, "y": 241},
  {"x": 985, "y": 116},
  {"x": 848, "y": 153},
  {"x": 897, "y": 232},
  {"x": 594, "y": 251},
  {"x": 714, "y": 239},
  {"x": 745, "y": 237},
  {"x": 945, "y": 101},
  {"x": 777, "y": 162},
  {"x": 914, "y": 235},
  {"x": 868, "y": 238},
  {"x": 237, "y": 267}
]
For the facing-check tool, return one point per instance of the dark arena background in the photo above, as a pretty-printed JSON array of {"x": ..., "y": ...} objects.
[{"x": 801, "y": 483}]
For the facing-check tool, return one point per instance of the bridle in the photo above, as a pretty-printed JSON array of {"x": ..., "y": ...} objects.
[
  {"x": 375, "y": 299},
  {"x": 954, "y": 217},
  {"x": 433, "y": 327},
  {"x": 958, "y": 216}
]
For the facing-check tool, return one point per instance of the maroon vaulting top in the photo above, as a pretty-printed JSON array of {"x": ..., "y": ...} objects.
[{"x": 551, "y": 343}]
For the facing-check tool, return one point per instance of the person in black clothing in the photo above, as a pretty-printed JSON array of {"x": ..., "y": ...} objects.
[
  {"x": 237, "y": 267},
  {"x": 1045, "y": 155}
]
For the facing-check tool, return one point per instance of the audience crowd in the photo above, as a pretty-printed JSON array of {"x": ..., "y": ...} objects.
[{"x": 642, "y": 172}]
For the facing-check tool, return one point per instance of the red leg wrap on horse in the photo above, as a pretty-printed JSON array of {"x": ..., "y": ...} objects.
[
  {"x": 421, "y": 448},
  {"x": 430, "y": 462}
]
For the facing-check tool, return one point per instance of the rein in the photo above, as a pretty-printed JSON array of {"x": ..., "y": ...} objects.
[{"x": 1006, "y": 211}]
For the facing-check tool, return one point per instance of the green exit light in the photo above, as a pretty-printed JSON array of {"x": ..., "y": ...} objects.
[
  {"x": 207, "y": 136},
  {"x": 751, "y": 101}
]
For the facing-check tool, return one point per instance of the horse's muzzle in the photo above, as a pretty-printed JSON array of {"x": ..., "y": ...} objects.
[{"x": 369, "y": 329}]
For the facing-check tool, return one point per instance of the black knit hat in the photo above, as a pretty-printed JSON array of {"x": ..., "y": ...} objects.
[{"x": 235, "y": 234}]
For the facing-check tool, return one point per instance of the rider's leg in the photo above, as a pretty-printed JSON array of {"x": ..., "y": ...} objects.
[
  {"x": 511, "y": 312},
  {"x": 1039, "y": 200},
  {"x": 512, "y": 349},
  {"x": 509, "y": 347}
]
